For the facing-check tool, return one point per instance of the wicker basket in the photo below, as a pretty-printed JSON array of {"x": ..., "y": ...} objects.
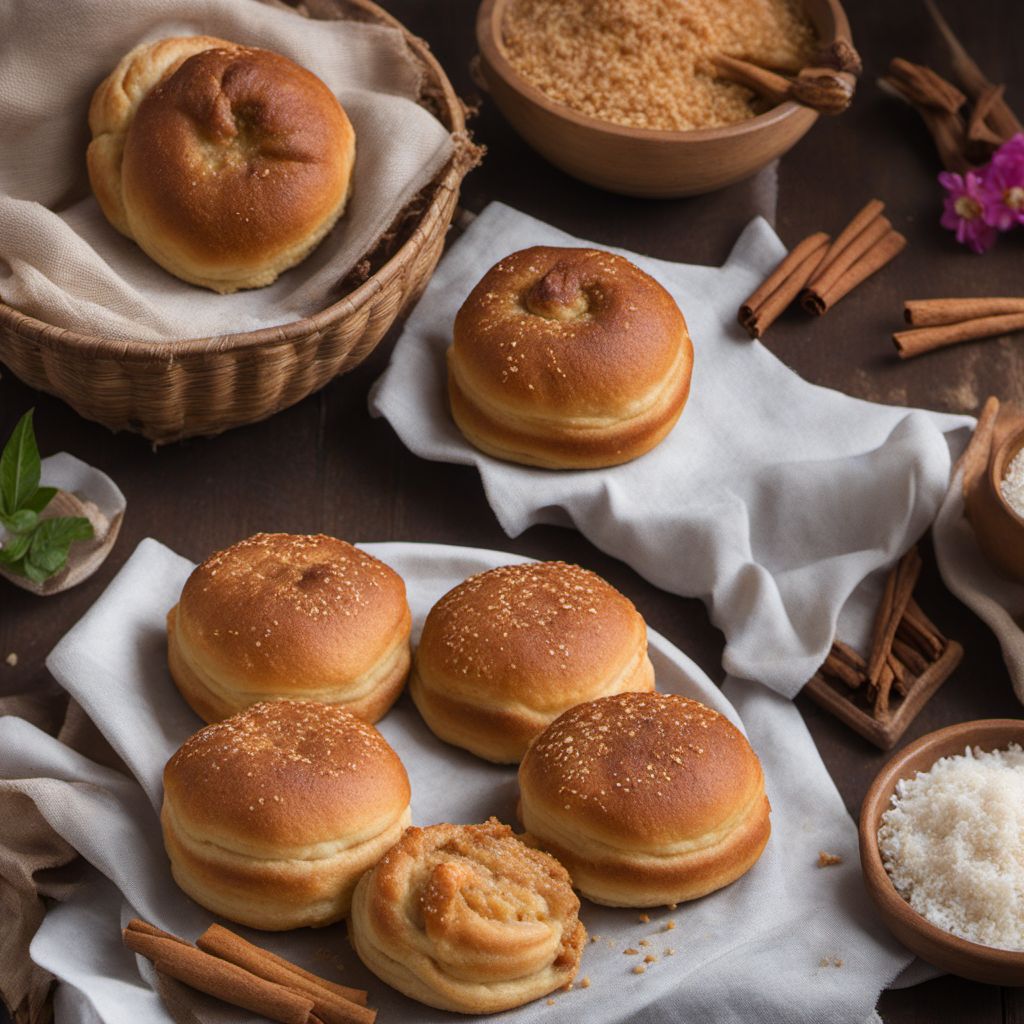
[{"x": 168, "y": 390}]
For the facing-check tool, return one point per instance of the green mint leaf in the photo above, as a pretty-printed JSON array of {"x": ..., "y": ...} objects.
[
  {"x": 32, "y": 571},
  {"x": 22, "y": 521},
  {"x": 14, "y": 548},
  {"x": 48, "y": 551},
  {"x": 39, "y": 500},
  {"x": 19, "y": 467}
]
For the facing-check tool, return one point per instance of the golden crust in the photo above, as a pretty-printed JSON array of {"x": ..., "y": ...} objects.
[
  {"x": 284, "y": 615},
  {"x": 647, "y": 799},
  {"x": 568, "y": 358},
  {"x": 270, "y": 817},
  {"x": 226, "y": 164},
  {"x": 467, "y": 918},
  {"x": 504, "y": 653}
]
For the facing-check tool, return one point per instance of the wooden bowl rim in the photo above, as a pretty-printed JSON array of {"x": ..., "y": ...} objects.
[
  {"x": 876, "y": 878},
  {"x": 488, "y": 37},
  {"x": 47, "y": 335},
  {"x": 1001, "y": 458}
]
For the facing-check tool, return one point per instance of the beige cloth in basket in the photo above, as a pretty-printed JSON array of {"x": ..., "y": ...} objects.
[{"x": 61, "y": 262}]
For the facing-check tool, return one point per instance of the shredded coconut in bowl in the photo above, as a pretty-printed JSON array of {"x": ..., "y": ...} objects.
[
  {"x": 1013, "y": 484},
  {"x": 952, "y": 842}
]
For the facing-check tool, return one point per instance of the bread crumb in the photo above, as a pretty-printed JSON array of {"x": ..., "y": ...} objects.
[
  {"x": 639, "y": 969},
  {"x": 669, "y": 951},
  {"x": 631, "y": 951},
  {"x": 551, "y": 1002},
  {"x": 595, "y": 938},
  {"x": 826, "y": 860},
  {"x": 650, "y": 959},
  {"x": 585, "y": 981},
  {"x": 672, "y": 906},
  {"x": 11, "y": 659},
  {"x": 645, "y": 918},
  {"x": 669, "y": 926},
  {"x": 644, "y": 942},
  {"x": 830, "y": 961}
]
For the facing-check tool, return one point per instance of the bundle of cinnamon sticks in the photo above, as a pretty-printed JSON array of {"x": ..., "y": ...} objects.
[
  {"x": 224, "y": 965},
  {"x": 904, "y": 643},
  {"x": 960, "y": 143},
  {"x": 821, "y": 271},
  {"x": 937, "y": 323}
]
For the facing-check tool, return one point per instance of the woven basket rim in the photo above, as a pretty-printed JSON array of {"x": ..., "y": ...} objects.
[{"x": 49, "y": 336}]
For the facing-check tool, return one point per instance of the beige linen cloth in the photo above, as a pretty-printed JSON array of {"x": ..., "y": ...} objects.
[{"x": 60, "y": 260}]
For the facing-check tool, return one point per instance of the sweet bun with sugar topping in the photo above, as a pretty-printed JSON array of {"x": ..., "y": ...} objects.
[
  {"x": 284, "y": 615},
  {"x": 504, "y": 653},
  {"x": 648, "y": 799},
  {"x": 568, "y": 359},
  {"x": 270, "y": 817},
  {"x": 467, "y": 918},
  {"x": 226, "y": 164}
]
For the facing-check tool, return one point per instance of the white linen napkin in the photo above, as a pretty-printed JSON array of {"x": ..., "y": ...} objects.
[
  {"x": 775, "y": 501},
  {"x": 62, "y": 262},
  {"x": 789, "y": 943},
  {"x": 997, "y": 601}
]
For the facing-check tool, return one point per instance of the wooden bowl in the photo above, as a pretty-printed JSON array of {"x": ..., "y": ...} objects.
[
  {"x": 1000, "y": 530},
  {"x": 638, "y": 161},
  {"x": 938, "y": 947}
]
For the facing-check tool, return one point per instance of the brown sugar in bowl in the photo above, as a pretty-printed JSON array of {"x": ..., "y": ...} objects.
[
  {"x": 999, "y": 529},
  {"x": 931, "y": 943},
  {"x": 639, "y": 161}
]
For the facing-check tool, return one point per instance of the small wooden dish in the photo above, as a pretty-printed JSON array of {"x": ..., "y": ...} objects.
[
  {"x": 637, "y": 161},
  {"x": 938, "y": 947},
  {"x": 1000, "y": 530}
]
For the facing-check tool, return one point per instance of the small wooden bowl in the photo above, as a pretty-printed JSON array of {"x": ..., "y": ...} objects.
[
  {"x": 1000, "y": 530},
  {"x": 637, "y": 161},
  {"x": 938, "y": 947}
]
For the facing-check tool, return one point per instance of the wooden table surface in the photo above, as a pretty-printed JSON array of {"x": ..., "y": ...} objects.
[{"x": 325, "y": 465}]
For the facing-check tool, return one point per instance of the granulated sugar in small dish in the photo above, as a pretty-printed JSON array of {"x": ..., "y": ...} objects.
[
  {"x": 1013, "y": 484},
  {"x": 952, "y": 842},
  {"x": 648, "y": 63}
]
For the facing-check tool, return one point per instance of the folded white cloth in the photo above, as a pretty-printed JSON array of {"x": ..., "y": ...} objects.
[
  {"x": 965, "y": 569},
  {"x": 789, "y": 943},
  {"x": 775, "y": 501},
  {"x": 62, "y": 262}
]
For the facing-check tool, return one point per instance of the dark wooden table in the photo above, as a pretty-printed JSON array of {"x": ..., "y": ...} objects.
[{"x": 325, "y": 465}]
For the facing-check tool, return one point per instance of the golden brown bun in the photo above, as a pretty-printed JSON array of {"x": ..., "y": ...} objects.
[
  {"x": 503, "y": 654},
  {"x": 568, "y": 358},
  {"x": 647, "y": 798},
  {"x": 270, "y": 817},
  {"x": 282, "y": 615},
  {"x": 226, "y": 164},
  {"x": 467, "y": 918}
]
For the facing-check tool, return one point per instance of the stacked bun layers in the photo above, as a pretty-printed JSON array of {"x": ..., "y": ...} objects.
[
  {"x": 568, "y": 359},
  {"x": 287, "y": 616},
  {"x": 648, "y": 799},
  {"x": 504, "y": 653},
  {"x": 271, "y": 816}
]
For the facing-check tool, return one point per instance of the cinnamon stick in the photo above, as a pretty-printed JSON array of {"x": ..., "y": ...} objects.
[
  {"x": 835, "y": 666},
  {"x": 1002, "y": 119},
  {"x": 920, "y": 340},
  {"x": 882, "y": 690},
  {"x": 849, "y": 655},
  {"x": 827, "y": 276},
  {"x": 886, "y": 249},
  {"x": 917, "y": 630},
  {"x": 177, "y": 959},
  {"x": 334, "y": 1004},
  {"x": 912, "y": 658},
  {"x": 823, "y": 89},
  {"x": 783, "y": 285},
  {"x": 864, "y": 217},
  {"x": 978, "y": 131},
  {"x": 935, "y": 312},
  {"x": 899, "y": 590},
  {"x": 841, "y": 55},
  {"x": 975, "y": 457}
]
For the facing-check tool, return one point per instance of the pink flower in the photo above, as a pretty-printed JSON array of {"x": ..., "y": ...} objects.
[
  {"x": 964, "y": 208},
  {"x": 1004, "y": 185}
]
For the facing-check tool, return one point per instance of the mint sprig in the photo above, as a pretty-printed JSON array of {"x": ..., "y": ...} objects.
[{"x": 33, "y": 547}]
